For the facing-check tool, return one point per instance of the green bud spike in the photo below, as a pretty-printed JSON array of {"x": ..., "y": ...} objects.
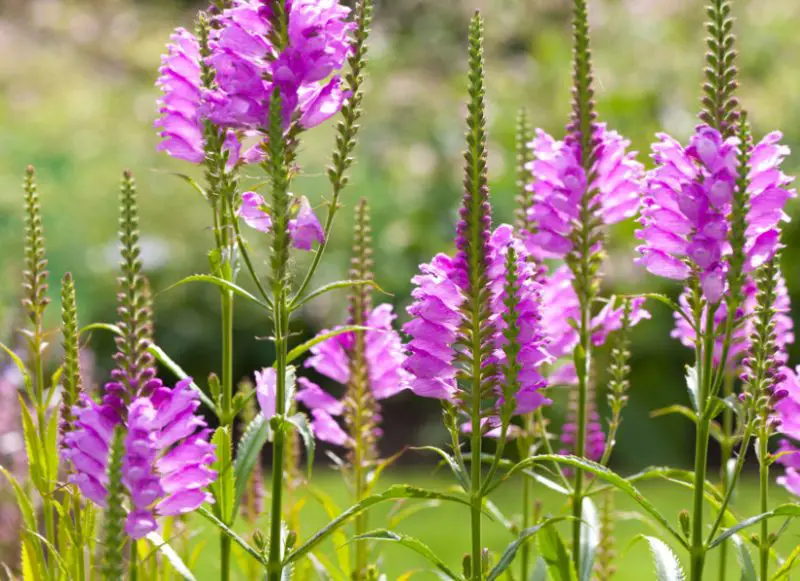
[
  {"x": 511, "y": 369},
  {"x": 71, "y": 376},
  {"x": 720, "y": 106},
  {"x": 762, "y": 363},
  {"x": 114, "y": 520},
  {"x": 741, "y": 203},
  {"x": 619, "y": 370},
  {"x": 583, "y": 106},
  {"x": 276, "y": 168},
  {"x": 524, "y": 156},
  {"x": 34, "y": 277},
  {"x": 604, "y": 561}
]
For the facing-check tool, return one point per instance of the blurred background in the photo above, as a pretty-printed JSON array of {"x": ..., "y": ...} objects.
[{"x": 77, "y": 100}]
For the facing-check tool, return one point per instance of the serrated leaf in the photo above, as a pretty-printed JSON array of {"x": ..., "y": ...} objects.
[
  {"x": 170, "y": 555},
  {"x": 248, "y": 453},
  {"x": 392, "y": 493},
  {"x": 745, "y": 560},
  {"x": 590, "y": 538},
  {"x": 668, "y": 568},
  {"x": 556, "y": 555},
  {"x": 412, "y": 543},
  {"x": 300, "y": 423},
  {"x": 505, "y": 560}
]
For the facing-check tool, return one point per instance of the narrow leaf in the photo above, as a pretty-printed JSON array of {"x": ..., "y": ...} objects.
[
  {"x": 668, "y": 568},
  {"x": 745, "y": 560},
  {"x": 590, "y": 538},
  {"x": 248, "y": 453},
  {"x": 511, "y": 551},
  {"x": 234, "y": 537},
  {"x": 301, "y": 350},
  {"x": 300, "y": 423},
  {"x": 341, "y": 284},
  {"x": 785, "y": 510},
  {"x": 411, "y": 543},
  {"x": 222, "y": 284},
  {"x": 556, "y": 555}
]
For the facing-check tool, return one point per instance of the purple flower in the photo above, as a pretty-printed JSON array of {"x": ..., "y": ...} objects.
[
  {"x": 787, "y": 413},
  {"x": 180, "y": 121},
  {"x": 304, "y": 227},
  {"x": 437, "y": 316},
  {"x": 266, "y": 380},
  {"x": 560, "y": 183},
  {"x": 166, "y": 466},
  {"x": 384, "y": 357},
  {"x": 686, "y": 210},
  {"x": 740, "y": 339}
]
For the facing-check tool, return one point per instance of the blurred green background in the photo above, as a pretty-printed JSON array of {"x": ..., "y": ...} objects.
[{"x": 77, "y": 100}]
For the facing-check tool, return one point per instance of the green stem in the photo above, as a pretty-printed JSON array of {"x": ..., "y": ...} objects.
[
  {"x": 763, "y": 477},
  {"x": 80, "y": 560},
  {"x": 582, "y": 354},
  {"x": 275, "y": 562},
  {"x": 476, "y": 492},
  {"x": 527, "y": 495},
  {"x": 726, "y": 453},
  {"x": 133, "y": 566}
]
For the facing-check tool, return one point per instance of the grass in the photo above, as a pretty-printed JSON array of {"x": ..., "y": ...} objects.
[{"x": 445, "y": 529}]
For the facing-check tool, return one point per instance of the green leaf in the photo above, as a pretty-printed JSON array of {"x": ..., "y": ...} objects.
[
  {"x": 298, "y": 302},
  {"x": 555, "y": 554},
  {"x": 223, "y": 285},
  {"x": 539, "y": 570},
  {"x": 224, "y": 488},
  {"x": 785, "y": 510},
  {"x": 203, "y": 511},
  {"x": 51, "y": 447},
  {"x": 33, "y": 448},
  {"x": 511, "y": 551},
  {"x": 782, "y": 574},
  {"x": 457, "y": 471},
  {"x": 668, "y": 568},
  {"x": 682, "y": 410},
  {"x": 18, "y": 362},
  {"x": 692, "y": 387},
  {"x": 300, "y": 422},
  {"x": 170, "y": 555},
  {"x": 300, "y": 350},
  {"x": 24, "y": 502},
  {"x": 590, "y": 538},
  {"x": 338, "y": 537},
  {"x": 547, "y": 482},
  {"x": 745, "y": 560},
  {"x": 602, "y": 473},
  {"x": 410, "y": 543},
  {"x": 191, "y": 181},
  {"x": 248, "y": 453},
  {"x": 392, "y": 493}
]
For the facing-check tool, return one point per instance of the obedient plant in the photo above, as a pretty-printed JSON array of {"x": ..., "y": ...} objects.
[{"x": 119, "y": 479}]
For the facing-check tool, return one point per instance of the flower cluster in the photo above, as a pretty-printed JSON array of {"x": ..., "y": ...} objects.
[
  {"x": 166, "y": 466},
  {"x": 787, "y": 414},
  {"x": 741, "y": 337},
  {"x": 560, "y": 182},
  {"x": 437, "y": 316},
  {"x": 686, "y": 211},
  {"x": 384, "y": 355},
  {"x": 253, "y": 53},
  {"x": 304, "y": 227}
]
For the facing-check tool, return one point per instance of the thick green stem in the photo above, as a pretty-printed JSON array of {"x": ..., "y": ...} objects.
[
  {"x": 133, "y": 565},
  {"x": 275, "y": 563},
  {"x": 763, "y": 488}
]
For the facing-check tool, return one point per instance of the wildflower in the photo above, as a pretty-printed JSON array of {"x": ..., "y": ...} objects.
[
  {"x": 787, "y": 417},
  {"x": 560, "y": 183},
  {"x": 685, "y": 215},
  {"x": 304, "y": 227},
  {"x": 166, "y": 466}
]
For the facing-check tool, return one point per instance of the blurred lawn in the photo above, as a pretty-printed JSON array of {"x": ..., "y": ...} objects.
[{"x": 445, "y": 529}]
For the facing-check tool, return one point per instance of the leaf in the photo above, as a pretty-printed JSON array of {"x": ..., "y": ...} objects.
[
  {"x": 18, "y": 362},
  {"x": 397, "y": 516},
  {"x": 691, "y": 386},
  {"x": 590, "y": 538},
  {"x": 24, "y": 502},
  {"x": 451, "y": 463},
  {"x": 556, "y": 556},
  {"x": 298, "y": 302},
  {"x": 668, "y": 568},
  {"x": 547, "y": 482},
  {"x": 300, "y": 422},
  {"x": 305, "y": 347},
  {"x": 539, "y": 570},
  {"x": 222, "y": 284},
  {"x": 339, "y": 538},
  {"x": 410, "y": 543},
  {"x": 790, "y": 510},
  {"x": 191, "y": 181},
  {"x": 224, "y": 488},
  {"x": 33, "y": 448},
  {"x": 169, "y": 553},
  {"x": 604, "y": 474},
  {"x": 745, "y": 560},
  {"x": 248, "y": 453},
  {"x": 782, "y": 574},
  {"x": 392, "y": 493},
  {"x": 511, "y": 551},
  {"x": 203, "y": 511}
]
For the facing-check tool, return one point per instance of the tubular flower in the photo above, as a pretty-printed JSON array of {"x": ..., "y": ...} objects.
[
  {"x": 304, "y": 227},
  {"x": 686, "y": 210},
  {"x": 437, "y": 317},
  {"x": 740, "y": 338},
  {"x": 180, "y": 121},
  {"x": 560, "y": 183},
  {"x": 249, "y": 67},
  {"x": 595, "y": 436},
  {"x": 166, "y": 467},
  {"x": 787, "y": 416},
  {"x": 384, "y": 354}
]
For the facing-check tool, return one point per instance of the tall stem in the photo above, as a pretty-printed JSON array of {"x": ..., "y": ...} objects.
[
  {"x": 763, "y": 489},
  {"x": 726, "y": 453},
  {"x": 527, "y": 497},
  {"x": 582, "y": 355},
  {"x": 476, "y": 496}
]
